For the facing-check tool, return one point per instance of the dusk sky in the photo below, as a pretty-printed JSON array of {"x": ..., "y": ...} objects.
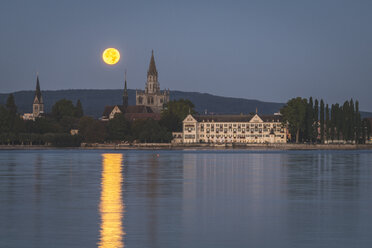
[{"x": 265, "y": 50}]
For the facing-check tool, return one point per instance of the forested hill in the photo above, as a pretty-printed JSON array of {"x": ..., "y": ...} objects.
[{"x": 94, "y": 101}]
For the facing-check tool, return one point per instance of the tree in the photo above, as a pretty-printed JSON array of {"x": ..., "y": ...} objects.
[
  {"x": 351, "y": 120},
  {"x": 150, "y": 131},
  {"x": 63, "y": 108},
  {"x": 309, "y": 129},
  {"x": 345, "y": 121},
  {"x": 79, "y": 109},
  {"x": 316, "y": 119},
  {"x": 92, "y": 130},
  {"x": 4, "y": 120},
  {"x": 327, "y": 123},
  {"x": 118, "y": 128},
  {"x": 43, "y": 126},
  {"x": 333, "y": 122},
  {"x": 294, "y": 112},
  {"x": 10, "y": 105},
  {"x": 321, "y": 118},
  {"x": 338, "y": 120},
  {"x": 357, "y": 123},
  {"x": 175, "y": 112}
]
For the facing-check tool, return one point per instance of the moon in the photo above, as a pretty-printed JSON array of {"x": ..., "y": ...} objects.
[{"x": 111, "y": 56}]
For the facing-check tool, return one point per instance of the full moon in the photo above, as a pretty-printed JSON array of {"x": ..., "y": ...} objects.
[{"x": 111, "y": 56}]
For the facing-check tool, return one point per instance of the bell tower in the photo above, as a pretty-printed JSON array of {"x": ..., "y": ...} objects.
[
  {"x": 152, "y": 96},
  {"x": 152, "y": 84},
  {"x": 38, "y": 105}
]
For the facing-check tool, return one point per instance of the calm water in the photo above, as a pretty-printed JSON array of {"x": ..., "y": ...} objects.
[{"x": 188, "y": 199}]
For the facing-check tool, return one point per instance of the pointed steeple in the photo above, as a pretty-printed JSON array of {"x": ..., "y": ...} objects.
[
  {"x": 38, "y": 91},
  {"x": 125, "y": 94},
  {"x": 38, "y": 105},
  {"x": 152, "y": 67}
]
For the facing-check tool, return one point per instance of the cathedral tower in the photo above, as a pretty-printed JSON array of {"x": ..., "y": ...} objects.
[
  {"x": 152, "y": 96},
  {"x": 38, "y": 105},
  {"x": 152, "y": 84}
]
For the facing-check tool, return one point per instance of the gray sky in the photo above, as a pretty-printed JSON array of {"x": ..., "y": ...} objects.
[{"x": 265, "y": 50}]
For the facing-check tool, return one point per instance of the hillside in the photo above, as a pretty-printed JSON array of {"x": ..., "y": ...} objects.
[{"x": 94, "y": 101}]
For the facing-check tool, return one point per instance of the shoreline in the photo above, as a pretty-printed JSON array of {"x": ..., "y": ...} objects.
[{"x": 169, "y": 146}]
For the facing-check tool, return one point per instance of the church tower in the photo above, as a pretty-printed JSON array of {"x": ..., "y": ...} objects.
[
  {"x": 38, "y": 105},
  {"x": 125, "y": 94},
  {"x": 152, "y": 96},
  {"x": 152, "y": 84}
]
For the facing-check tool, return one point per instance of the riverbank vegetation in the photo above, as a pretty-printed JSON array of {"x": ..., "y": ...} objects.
[
  {"x": 316, "y": 122},
  {"x": 57, "y": 128}
]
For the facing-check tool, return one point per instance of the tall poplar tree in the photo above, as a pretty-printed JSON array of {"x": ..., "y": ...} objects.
[
  {"x": 357, "y": 123},
  {"x": 351, "y": 120},
  {"x": 345, "y": 120},
  {"x": 327, "y": 123},
  {"x": 10, "y": 105},
  {"x": 333, "y": 122},
  {"x": 316, "y": 120},
  {"x": 309, "y": 131},
  {"x": 321, "y": 117}
]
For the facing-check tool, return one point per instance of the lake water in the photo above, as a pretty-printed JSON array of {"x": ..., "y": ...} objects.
[{"x": 70, "y": 198}]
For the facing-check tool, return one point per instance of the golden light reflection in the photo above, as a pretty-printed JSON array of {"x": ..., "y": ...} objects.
[{"x": 111, "y": 205}]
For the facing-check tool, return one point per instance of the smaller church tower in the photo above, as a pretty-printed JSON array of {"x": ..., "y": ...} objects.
[
  {"x": 38, "y": 105},
  {"x": 125, "y": 94}
]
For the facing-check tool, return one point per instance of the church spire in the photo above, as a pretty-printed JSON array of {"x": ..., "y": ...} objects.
[
  {"x": 152, "y": 67},
  {"x": 38, "y": 105},
  {"x": 125, "y": 94},
  {"x": 38, "y": 91}
]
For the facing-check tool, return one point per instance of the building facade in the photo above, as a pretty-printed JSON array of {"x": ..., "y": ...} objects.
[
  {"x": 232, "y": 129},
  {"x": 131, "y": 113},
  {"x": 152, "y": 96}
]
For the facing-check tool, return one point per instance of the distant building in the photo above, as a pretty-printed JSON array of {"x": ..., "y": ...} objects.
[
  {"x": 37, "y": 106},
  {"x": 232, "y": 129},
  {"x": 130, "y": 112},
  {"x": 74, "y": 131},
  {"x": 152, "y": 96}
]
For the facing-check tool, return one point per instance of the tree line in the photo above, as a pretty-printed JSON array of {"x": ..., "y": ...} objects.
[
  {"x": 55, "y": 128},
  {"x": 316, "y": 122}
]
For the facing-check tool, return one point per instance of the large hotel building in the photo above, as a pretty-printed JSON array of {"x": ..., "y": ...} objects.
[{"x": 232, "y": 129}]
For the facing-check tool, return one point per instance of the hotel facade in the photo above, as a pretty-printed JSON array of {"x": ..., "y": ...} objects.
[{"x": 220, "y": 129}]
